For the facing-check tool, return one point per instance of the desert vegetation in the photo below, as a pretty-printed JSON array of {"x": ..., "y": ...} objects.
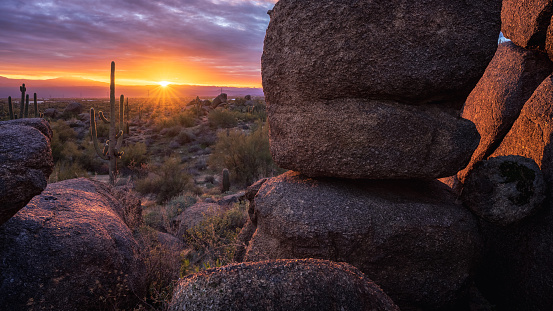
[{"x": 174, "y": 155}]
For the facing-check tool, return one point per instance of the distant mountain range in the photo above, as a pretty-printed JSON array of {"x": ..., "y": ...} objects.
[{"x": 85, "y": 88}]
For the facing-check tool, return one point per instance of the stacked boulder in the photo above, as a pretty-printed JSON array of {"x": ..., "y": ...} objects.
[
  {"x": 363, "y": 102},
  {"x": 512, "y": 109}
]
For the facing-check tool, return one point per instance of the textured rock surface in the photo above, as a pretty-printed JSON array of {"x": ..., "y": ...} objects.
[
  {"x": 504, "y": 190},
  {"x": 308, "y": 284},
  {"x": 357, "y": 138},
  {"x": 516, "y": 273},
  {"x": 410, "y": 237},
  {"x": 496, "y": 101},
  {"x": 73, "y": 109},
  {"x": 221, "y": 98},
  {"x": 25, "y": 163},
  {"x": 68, "y": 249},
  {"x": 525, "y": 21},
  {"x": 531, "y": 134},
  {"x": 403, "y": 50}
]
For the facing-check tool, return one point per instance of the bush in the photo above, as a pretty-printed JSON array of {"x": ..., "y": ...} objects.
[
  {"x": 166, "y": 182},
  {"x": 221, "y": 118},
  {"x": 65, "y": 170},
  {"x": 247, "y": 157},
  {"x": 214, "y": 240},
  {"x": 134, "y": 155}
]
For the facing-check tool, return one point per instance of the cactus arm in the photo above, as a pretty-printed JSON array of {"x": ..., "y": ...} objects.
[
  {"x": 101, "y": 114},
  {"x": 10, "y": 107},
  {"x": 36, "y": 105},
  {"x": 94, "y": 136}
]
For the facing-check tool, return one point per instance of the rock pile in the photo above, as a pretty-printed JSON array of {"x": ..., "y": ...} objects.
[
  {"x": 512, "y": 109},
  {"x": 360, "y": 95}
]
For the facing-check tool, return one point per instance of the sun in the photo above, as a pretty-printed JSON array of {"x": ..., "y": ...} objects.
[{"x": 164, "y": 83}]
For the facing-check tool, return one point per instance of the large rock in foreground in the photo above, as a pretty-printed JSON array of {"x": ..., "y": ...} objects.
[
  {"x": 525, "y": 21},
  {"x": 532, "y": 132},
  {"x": 359, "y": 138},
  {"x": 410, "y": 237},
  {"x": 25, "y": 163},
  {"x": 504, "y": 190},
  {"x": 309, "y": 285},
  {"x": 403, "y": 50},
  {"x": 69, "y": 249},
  {"x": 496, "y": 101}
]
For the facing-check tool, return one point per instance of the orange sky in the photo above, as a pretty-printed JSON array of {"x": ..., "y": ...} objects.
[{"x": 200, "y": 42}]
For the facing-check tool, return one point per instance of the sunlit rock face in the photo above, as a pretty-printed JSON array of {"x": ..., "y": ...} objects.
[
  {"x": 495, "y": 103},
  {"x": 25, "y": 163},
  {"x": 408, "y": 53},
  {"x": 525, "y": 22},
  {"x": 411, "y": 237},
  {"x": 69, "y": 249},
  {"x": 532, "y": 133},
  {"x": 307, "y": 284}
]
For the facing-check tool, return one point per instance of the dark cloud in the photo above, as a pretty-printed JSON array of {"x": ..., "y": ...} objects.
[{"x": 225, "y": 34}]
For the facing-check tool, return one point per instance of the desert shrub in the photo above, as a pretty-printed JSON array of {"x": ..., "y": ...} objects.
[
  {"x": 247, "y": 157},
  {"x": 185, "y": 137},
  {"x": 66, "y": 170},
  {"x": 182, "y": 119},
  {"x": 166, "y": 181},
  {"x": 134, "y": 155},
  {"x": 214, "y": 240},
  {"x": 61, "y": 134},
  {"x": 221, "y": 118},
  {"x": 171, "y": 131},
  {"x": 90, "y": 160}
]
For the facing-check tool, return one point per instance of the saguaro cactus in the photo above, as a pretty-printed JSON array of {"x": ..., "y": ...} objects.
[
  {"x": 27, "y": 106},
  {"x": 113, "y": 145},
  {"x": 36, "y": 105},
  {"x": 10, "y": 107},
  {"x": 226, "y": 181},
  {"x": 23, "y": 89}
]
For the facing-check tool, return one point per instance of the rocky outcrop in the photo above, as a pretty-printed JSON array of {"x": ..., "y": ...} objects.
[
  {"x": 410, "y": 237},
  {"x": 72, "y": 109},
  {"x": 68, "y": 249},
  {"x": 307, "y": 284},
  {"x": 356, "y": 138},
  {"x": 221, "y": 98},
  {"x": 532, "y": 132},
  {"x": 401, "y": 50},
  {"x": 25, "y": 163},
  {"x": 516, "y": 272},
  {"x": 525, "y": 22},
  {"x": 496, "y": 101},
  {"x": 347, "y": 101},
  {"x": 504, "y": 190}
]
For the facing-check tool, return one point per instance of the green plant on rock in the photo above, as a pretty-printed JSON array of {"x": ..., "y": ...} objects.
[{"x": 112, "y": 147}]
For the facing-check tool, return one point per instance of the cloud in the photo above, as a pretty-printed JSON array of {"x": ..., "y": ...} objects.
[{"x": 78, "y": 35}]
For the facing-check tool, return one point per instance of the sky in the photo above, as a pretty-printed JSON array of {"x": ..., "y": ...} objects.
[{"x": 199, "y": 42}]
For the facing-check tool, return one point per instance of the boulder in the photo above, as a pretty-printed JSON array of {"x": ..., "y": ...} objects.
[
  {"x": 232, "y": 198},
  {"x": 309, "y": 285},
  {"x": 531, "y": 134},
  {"x": 73, "y": 109},
  {"x": 525, "y": 22},
  {"x": 516, "y": 271},
  {"x": 410, "y": 237},
  {"x": 496, "y": 101},
  {"x": 248, "y": 97},
  {"x": 409, "y": 51},
  {"x": 222, "y": 98},
  {"x": 358, "y": 138},
  {"x": 68, "y": 249},
  {"x": 504, "y": 190},
  {"x": 51, "y": 113},
  {"x": 25, "y": 163}
]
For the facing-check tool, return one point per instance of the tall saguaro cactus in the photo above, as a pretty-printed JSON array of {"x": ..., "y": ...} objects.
[
  {"x": 10, "y": 107},
  {"x": 113, "y": 145},
  {"x": 35, "y": 105},
  {"x": 23, "y": 89},
  {"x": 27, "y": 106}
]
